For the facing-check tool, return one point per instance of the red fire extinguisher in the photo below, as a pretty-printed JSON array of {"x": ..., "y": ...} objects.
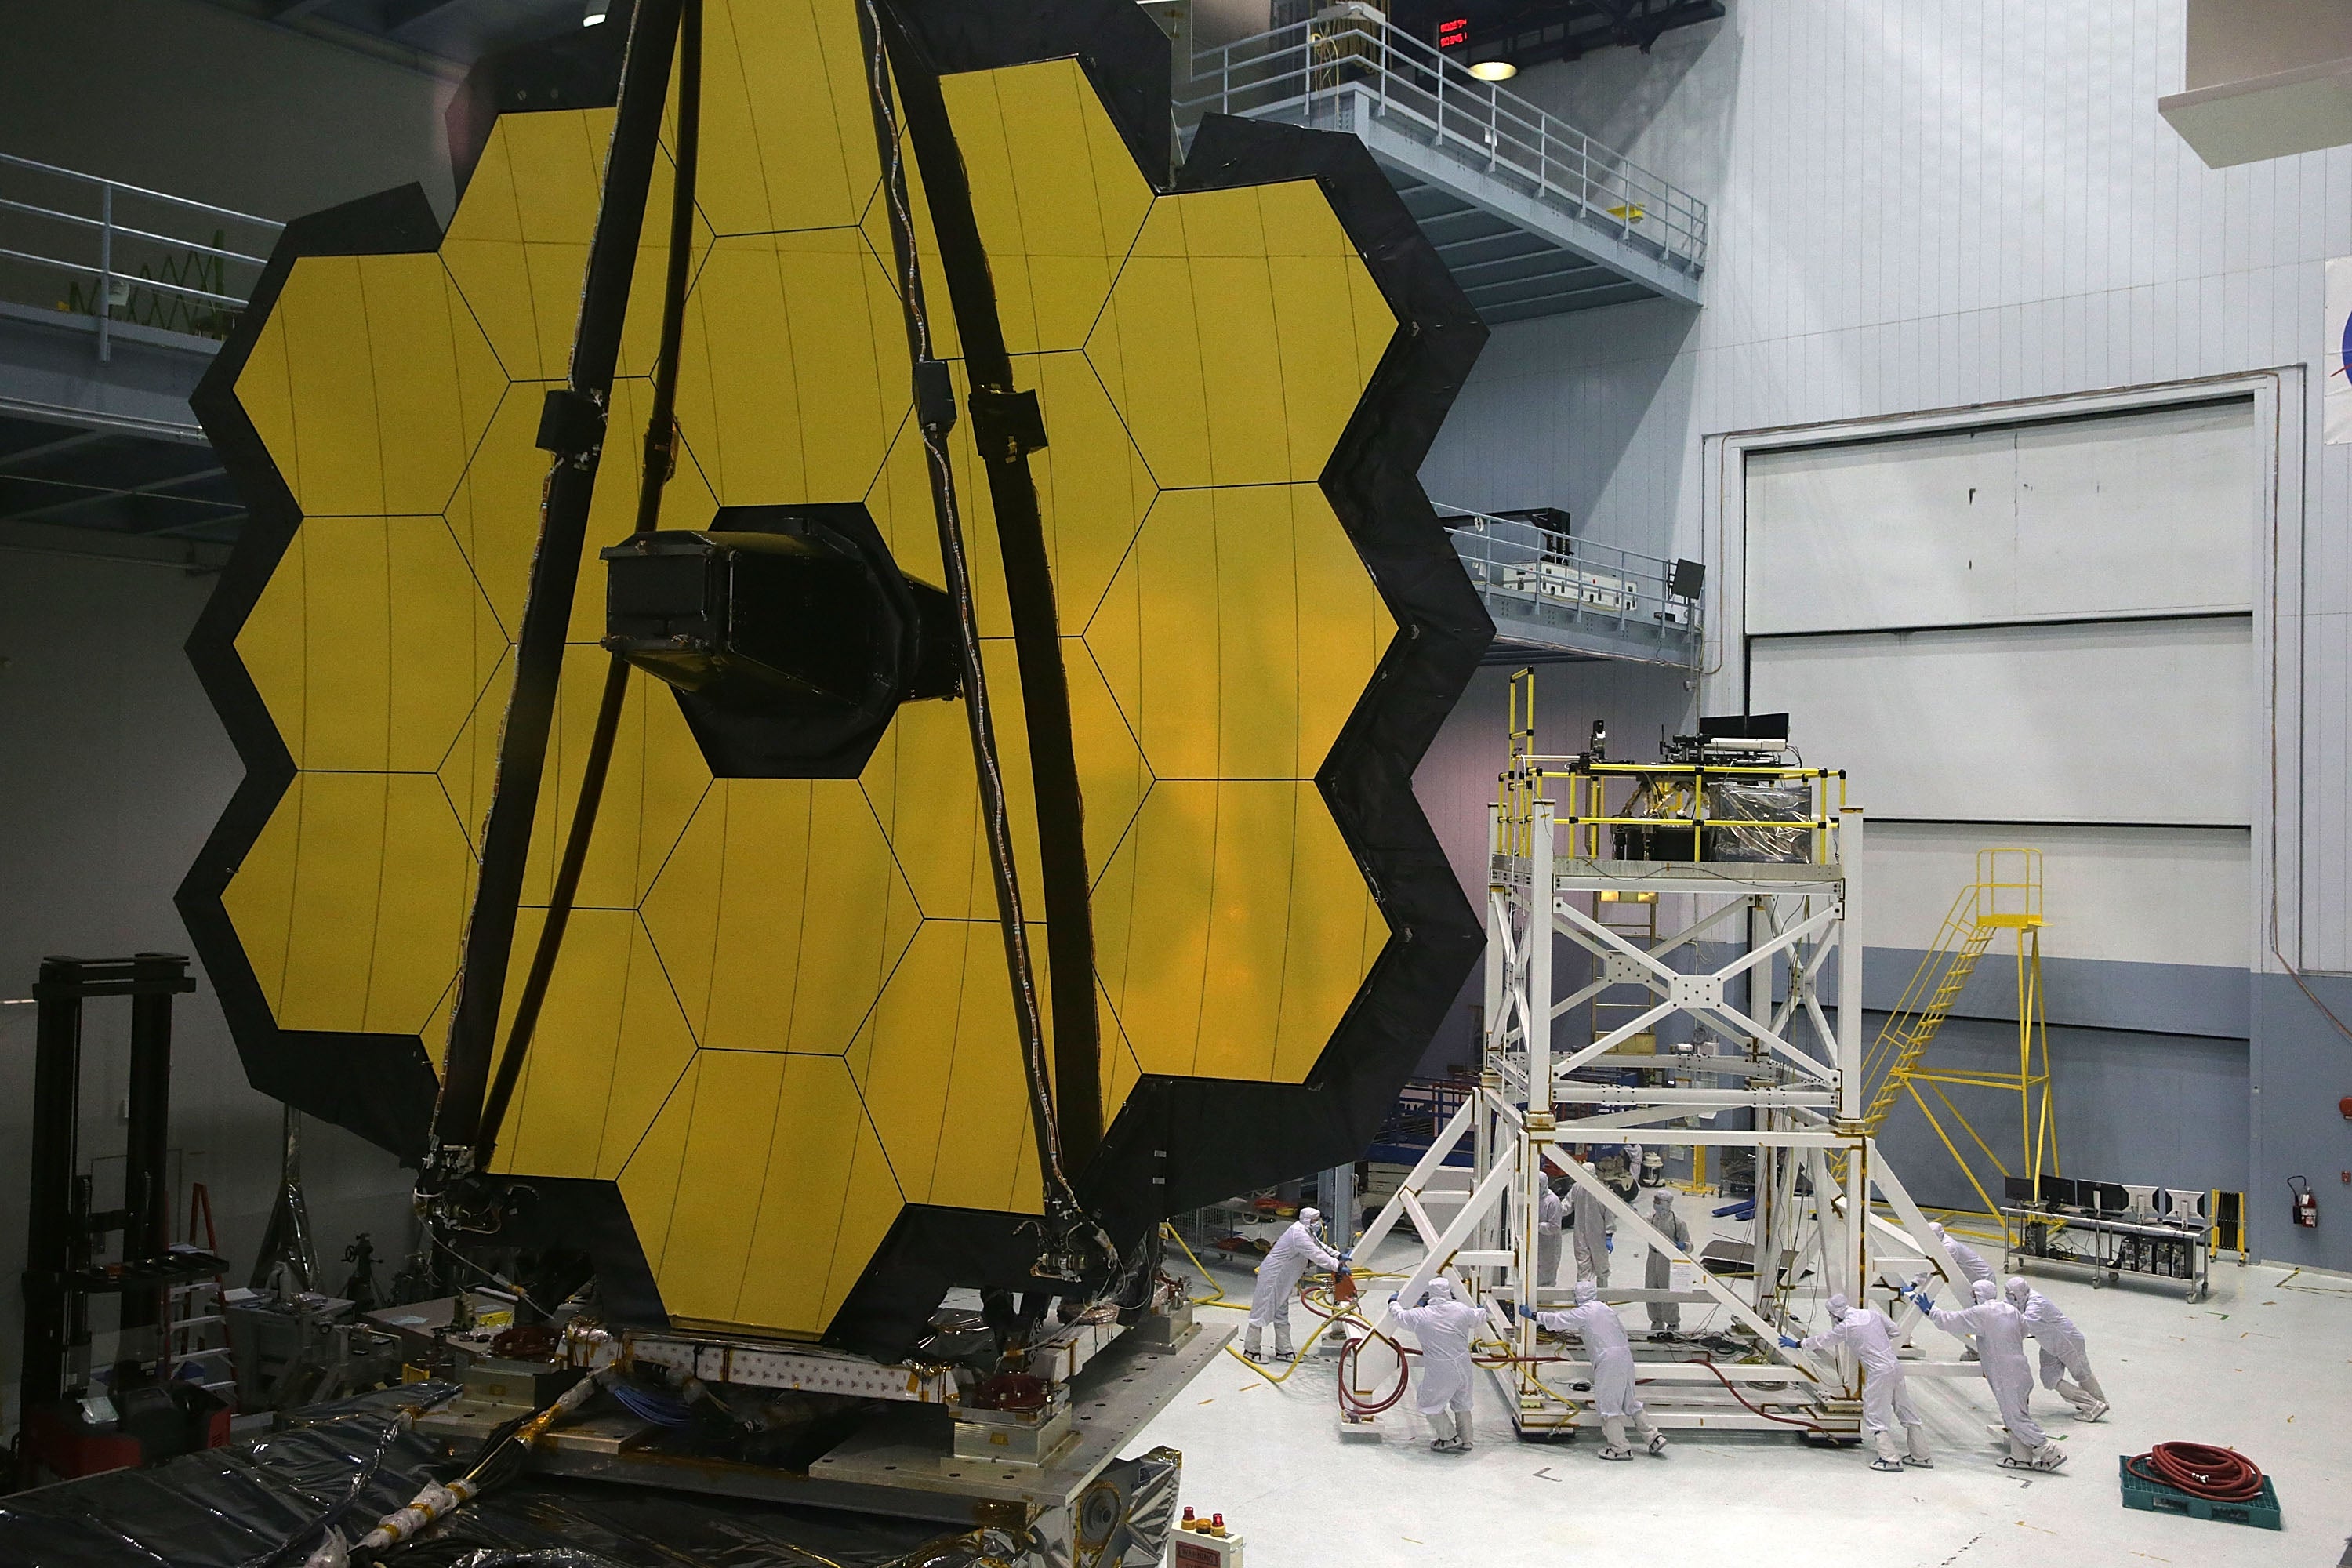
[{"x": 2306, "y": 1204}]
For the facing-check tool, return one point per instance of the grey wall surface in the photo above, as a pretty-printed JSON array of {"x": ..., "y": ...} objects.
[
  {"x": 1456, "y": 781},
  {"x": 1919, "y": 207},
  {"x": 2093, "y": 992},
  {"x": 2168, "y": 1109},
  {"x": 201, "y": 102},
  {"x": 2302, "y": 1070},
  {"x": 112, "y": 770}
]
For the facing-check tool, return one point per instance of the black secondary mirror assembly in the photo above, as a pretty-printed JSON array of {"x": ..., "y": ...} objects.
[{"x": 789, "y": 633}]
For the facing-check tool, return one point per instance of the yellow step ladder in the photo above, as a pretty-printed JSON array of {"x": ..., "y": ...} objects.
[{"x": 2006, "y": 897}]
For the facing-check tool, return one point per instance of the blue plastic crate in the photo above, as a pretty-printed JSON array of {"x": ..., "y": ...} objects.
[{"x": 2158, "y": 1497}]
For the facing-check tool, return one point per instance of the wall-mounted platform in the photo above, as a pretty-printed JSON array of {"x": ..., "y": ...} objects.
[
  {"x": 112, "y": 302},
  {"x": 1533, "y": 217},
  {"x": 1556, "y": 599}
]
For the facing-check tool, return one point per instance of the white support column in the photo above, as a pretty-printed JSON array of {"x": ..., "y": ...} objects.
[
  {"x": 1849, "y": 946},
  {"x": 1857, "y": 1218},
  {"x": 1541, "y": 874},
  {"x": 1631, "y": 1224},
  {"x": 1439, "y": 1147},
  {"x": 1498, "y": 925},
  {"x": 1439, "y": 1259}
]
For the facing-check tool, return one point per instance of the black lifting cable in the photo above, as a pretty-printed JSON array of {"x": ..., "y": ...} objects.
[
  {"x": 660, "y": 463},
  {"x": 1007, "y": 425},
  {"x": 1074, "y": 1245},
  {"x": 572, "y": 427}
]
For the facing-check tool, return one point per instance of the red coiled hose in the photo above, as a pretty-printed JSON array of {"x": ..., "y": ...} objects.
[
  {"x": 1355, "y": 1404},
  {"x": 2222, "y": 1475}
]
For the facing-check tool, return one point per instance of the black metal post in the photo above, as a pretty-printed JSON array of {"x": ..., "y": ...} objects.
[
  {"x": 1007, "y": 425},
  {"x": 661, "y": 461},
  {"x": 572, "y": 426},
  {"x": 49, "y": 1230},
  {"x": 146, "y": 1228}
]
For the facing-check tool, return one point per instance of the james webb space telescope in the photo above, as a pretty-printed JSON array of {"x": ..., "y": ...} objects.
[{"x": 978, "y": 821}]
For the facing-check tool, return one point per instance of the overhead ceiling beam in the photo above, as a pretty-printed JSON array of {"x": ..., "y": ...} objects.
[
  {"x": 159, "y": 488},
  {"x": 1554, "y": 302},
  {"x": 1531, "y": 35},
  {"x": 8, "y": 460},
  {"x": 399, "y": 15},
  {"x": 303, "y": 17}
]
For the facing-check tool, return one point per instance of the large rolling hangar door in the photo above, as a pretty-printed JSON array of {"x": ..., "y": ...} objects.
[{"x": 2031, "y": 633}]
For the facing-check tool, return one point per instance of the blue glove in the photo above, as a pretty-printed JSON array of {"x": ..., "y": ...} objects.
[
  {"x": 1789, "y": 1345},
  {"x": 1608, "y": 1244},
  {"x": 1526, "y": 1312},
  {"x": 1347, "y": 1257},
  {"x": 1922, "y": 1301}
]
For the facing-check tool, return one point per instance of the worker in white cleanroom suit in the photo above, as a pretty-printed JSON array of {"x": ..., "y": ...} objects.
[
  {"x": 1966, "y": 1258},
  {"x": 1869, "y": 1333},
  {"x": 1442, "y": 1387},
  {"x": 1551, "y": 1215},
  {"x": 1971, "y": 1265},
  {"x": 1293, "y": 1254},
  {"x": 1595, "y": 1323},
  {"x": 1998, "y": 1330},
  {"x": 1658, "y": 1272},
  {"x": 2062, "y": 1348},
  {"x": 1592, "y": 1224}
]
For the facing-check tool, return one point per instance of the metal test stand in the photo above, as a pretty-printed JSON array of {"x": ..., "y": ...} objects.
[{"x": 1785, "y": 1082}]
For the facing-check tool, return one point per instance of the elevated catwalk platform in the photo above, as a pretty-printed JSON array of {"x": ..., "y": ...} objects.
[{"x": 1532, "y": 216}]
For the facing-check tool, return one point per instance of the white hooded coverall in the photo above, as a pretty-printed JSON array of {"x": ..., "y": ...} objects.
[
  {"x": 1998, "y": 1331},
  {"x": 1869, "y": 1333},
  {"x": 1441, "y": 1384},
  {"x": 1596, "y": 1324},
  {"x": 1278, "y": 1274},
  {"x": 1966, "y": 1258},
  {"x": 1549, "y": 1213},
  {"x": 1592, "y": 1222},
  {"x": 2063, "y": 1349},
  {"x": 1658, "y": 1271}
]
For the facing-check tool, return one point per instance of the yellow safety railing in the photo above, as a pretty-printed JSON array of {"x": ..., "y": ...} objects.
[{"x": 1672, "y": 798}]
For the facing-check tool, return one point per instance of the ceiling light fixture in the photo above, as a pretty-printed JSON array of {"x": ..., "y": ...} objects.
[
  {"x": 1494, "y": 70},
  {"x": 595, "y": 14}
]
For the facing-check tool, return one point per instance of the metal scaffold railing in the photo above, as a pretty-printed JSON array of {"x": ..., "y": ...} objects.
[
  {"x": 125, "y": 254},
  {"x": 1303, "y": 72},
  {"x": 1546, "y": 589}
]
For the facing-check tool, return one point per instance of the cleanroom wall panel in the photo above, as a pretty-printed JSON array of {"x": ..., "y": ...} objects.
[
  {"x": 2149, "y": 512},
  {"x": 2131, "y": 894},
  {"x": 2122, "y": 722},
  {"x": 2009, "y": 223}
]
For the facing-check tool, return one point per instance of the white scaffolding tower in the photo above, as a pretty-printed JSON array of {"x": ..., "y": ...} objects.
[{"x": 1782, "y": 1078}]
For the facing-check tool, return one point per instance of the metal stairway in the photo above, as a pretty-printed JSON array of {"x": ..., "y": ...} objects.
[
  {"x": 2006, "y": 897},
  {"x": 1926, "y": 1002}
]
